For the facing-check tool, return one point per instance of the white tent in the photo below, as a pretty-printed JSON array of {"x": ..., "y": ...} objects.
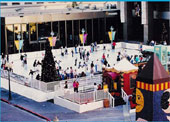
[{"x": 124, "y": 65}]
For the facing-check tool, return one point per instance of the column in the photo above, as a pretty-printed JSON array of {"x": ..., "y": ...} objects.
[
  {"x": 126, "y": 18},
  {"x": 73, "y": 31},
  {"x": 147, "y": 21},
  {"x": 92, "y": 31},
  {"x": 6, "y": 43},
  {"x": 85, "y": 28},
  {"x": 104, "y": 40},
  {"x": 66, "y": 33},
  {"x": 98, "y": 30}
]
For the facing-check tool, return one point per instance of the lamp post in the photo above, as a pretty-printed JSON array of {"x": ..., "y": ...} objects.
[
  {"x": 19, "y": 37},
  {"x": 9, "y": 67},
  {"x": 83, "y": 36},
  {"x": 111, "y": 28},
  {"x": 52, "y": 34}
]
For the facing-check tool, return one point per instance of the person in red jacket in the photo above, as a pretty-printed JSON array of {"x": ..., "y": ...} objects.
[{"x": 113, "y": 45}]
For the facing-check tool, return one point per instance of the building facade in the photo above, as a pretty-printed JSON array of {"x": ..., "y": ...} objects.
[{"x": 66, "y": 24}]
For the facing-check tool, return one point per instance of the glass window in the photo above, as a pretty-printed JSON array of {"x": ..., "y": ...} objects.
[
  {"x": 33, "y": 31},
  {"x": 4, "y": 4},
  {"x": 10, "y": 39},
  {"x": 62, "y": 33},
  {"x": 17, "y": 30},
  {"x": 25, "y": 36},
  {"x": 89, "y": 31},
  {"x": 44, "y": 29},
  {"x": 76, "y": 32},
  {"x": 102, "y": 30},
  {"x": 70, "y": 42},
  {"x": 15, "y": 3},
  {"x": 27, "y": 3},
  {"x": 95, "y": 30}
]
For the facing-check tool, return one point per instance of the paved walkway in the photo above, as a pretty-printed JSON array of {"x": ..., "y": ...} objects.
[
  {"x": 11, "y": 113},
  {"x": 51, "y": 110}
]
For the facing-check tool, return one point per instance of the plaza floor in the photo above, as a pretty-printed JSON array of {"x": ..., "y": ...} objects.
[{"x": 52, "y": 111}]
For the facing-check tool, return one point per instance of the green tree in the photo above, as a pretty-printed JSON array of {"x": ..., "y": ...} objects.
[{"x": 48, "y": 73}]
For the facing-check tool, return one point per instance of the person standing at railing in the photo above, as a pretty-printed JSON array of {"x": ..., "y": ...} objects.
[
  {"x": 77, "y": 86},
  {"x": 74, "y": 86}
]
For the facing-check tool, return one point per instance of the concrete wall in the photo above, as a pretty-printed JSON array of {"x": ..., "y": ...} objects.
[{"x": 76, "y": 107}]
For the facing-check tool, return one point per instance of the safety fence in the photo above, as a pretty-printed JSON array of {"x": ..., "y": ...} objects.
[
  {"x": 85, "y": 82},
  {"x": 88, "y": 97}
]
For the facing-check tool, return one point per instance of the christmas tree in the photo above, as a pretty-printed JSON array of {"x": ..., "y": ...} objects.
[{"x": 48, "y": 73}]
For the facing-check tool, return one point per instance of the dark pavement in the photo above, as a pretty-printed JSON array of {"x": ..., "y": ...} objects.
[{"x": 51, "y": 110}]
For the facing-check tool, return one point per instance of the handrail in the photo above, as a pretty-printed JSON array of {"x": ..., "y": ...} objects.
[{"x": 111, "y": 100}]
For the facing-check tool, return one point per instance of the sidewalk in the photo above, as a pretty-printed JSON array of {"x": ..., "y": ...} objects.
[
  {"x": 51, "y": 110},
  {"x": 11, "y": 113}
]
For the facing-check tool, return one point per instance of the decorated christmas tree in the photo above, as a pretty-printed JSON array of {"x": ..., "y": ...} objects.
[{"x": 48, "y": 73}]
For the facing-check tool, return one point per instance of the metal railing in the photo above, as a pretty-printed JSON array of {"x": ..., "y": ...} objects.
[{"x": 86, "y": 97}]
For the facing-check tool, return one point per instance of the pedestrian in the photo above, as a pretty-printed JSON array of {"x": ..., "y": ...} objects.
[
  {"x": 35, "y": 63},
  {"x": 71, "y": 72},
  {"x": 103, "y": 57},
  {"x": 74, "y": 86},
  {"x": 96, "y": 65},
  {"x": 75, "y": 62},
  {"x": 95, "y": 87},
  {"x": 38, "y": 77},
  {"x": 113, "y": 45},
  {"x": 99, "y": 87},
  {"x": 72, "y": 53},
  {"x": 76, "y": 49},
  {"x": 79, "y": 65},
  {"x": 118, "y": 56},
  {"x": 77, "y": 86},
  {"x": 141, "y": 47},
  {"x": 75, "y": 73},
  {"x": 66, "y": 51},
  {"x": 92, "y": 65},
  {"x": 66, "y": 85}
]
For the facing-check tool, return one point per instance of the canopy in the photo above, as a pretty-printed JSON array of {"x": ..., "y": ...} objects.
[
  {"x": 124, "y": 65},
  {"x": 112, "y": 75}
]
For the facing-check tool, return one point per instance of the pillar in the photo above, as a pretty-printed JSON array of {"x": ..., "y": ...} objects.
[
  {"x": 73, "y": 32},
  {"x": 65, "y": 33},
  {"x": 147, "y": 21}
]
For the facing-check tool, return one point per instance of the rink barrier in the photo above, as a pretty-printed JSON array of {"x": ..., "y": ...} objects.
[
  {"x": 22, "y": 108},
  {"x": 84, "y": 82}
]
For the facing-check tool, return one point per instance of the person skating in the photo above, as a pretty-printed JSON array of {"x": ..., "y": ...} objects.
[
  {"x": 75, "y": 62},
  {"x": 72, "y": 52}
]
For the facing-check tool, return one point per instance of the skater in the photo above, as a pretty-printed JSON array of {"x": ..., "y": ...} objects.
[
  {"x": 72, "y": 52},
  {"x": 76, "y": 49},
  {"x": 75, "y": 62}
]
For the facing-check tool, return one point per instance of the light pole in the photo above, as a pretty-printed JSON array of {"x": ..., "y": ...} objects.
[
  {"x": 83, "y": 36},
  {"x": 9, "y": 68},
  {"x": 19, "y": 37},
  {"x": 52, "y": 34}
]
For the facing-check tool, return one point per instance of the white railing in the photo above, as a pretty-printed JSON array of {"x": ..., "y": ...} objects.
[
  {"x": 126, "y": 110},
  {"x": 111, "y": 100},
  {"x": 87, "y": 97},
  {"x": 124, "y": 95}
]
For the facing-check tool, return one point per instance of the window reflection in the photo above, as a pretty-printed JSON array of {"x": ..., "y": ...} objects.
[
  {"x": 17, "y": 30},
  {"x": 10, "y": 38},
  {"x": 33, "y": 32},
  {"x": 44, "y": 30}
]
